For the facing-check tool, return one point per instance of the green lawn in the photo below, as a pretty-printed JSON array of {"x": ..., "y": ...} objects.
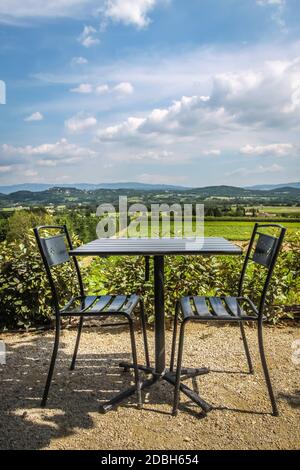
[
  {"x": 232, "y": 230},
  {"x": 239, "y": 230}
]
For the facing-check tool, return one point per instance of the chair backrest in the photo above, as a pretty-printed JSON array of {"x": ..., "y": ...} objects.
[
  {"x": 54, "y": 252},
  {"x": 263, "y": 249}
]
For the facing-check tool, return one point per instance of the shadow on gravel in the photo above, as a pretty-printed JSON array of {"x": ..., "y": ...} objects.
[
  {"x": 292, "y": 399},
  {"x": 72, "y": 398}
]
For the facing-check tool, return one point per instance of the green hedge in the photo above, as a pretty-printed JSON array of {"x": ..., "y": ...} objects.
[
  {"x": 202, "y": 275},
  {"x": 25, "y": 298}
]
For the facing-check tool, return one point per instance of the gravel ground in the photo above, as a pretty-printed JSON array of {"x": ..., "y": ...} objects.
[{"x": 240, "y": 419}]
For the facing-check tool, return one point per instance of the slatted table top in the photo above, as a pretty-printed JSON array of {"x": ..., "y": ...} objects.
[{"x": 157, "y": 247}]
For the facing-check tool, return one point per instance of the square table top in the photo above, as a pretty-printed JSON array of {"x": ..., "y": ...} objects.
[{"x": 157, "y": 247}]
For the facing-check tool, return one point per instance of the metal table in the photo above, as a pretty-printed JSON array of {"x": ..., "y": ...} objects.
[{"x": 158, "y": 248}]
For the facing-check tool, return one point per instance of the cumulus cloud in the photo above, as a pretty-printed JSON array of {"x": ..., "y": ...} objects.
[
  {"x": 263, "y": 99},
  {"x": 120, "y": 131},
  {"x": 88, "y": 37},
  {"x": 61, "y": 150},
  {"x": 124, "y": 88},
  {"x": 34, "y": 117},
  {"x": 80, "y": 122},
  {"x": 102, "y": 89},
  {"x": 214, "y": 152},
  {"x": 84, "y": 88},
  {"x": 270, "y": 149},
  {"x": 129, "y": 12},
  {"x": 181, "y": 118}
]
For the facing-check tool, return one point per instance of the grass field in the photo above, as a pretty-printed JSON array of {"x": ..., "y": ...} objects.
[
  {"x": 239, "y": 230},
  {"x": 232, "y": 230}
]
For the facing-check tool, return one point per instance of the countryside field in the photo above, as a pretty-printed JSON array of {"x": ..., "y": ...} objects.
[
  {"x": 239, "y": 230},
  {"x": 232, "y": 230}
]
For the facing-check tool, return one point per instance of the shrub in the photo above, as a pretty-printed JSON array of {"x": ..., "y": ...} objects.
[
  {"x": 185, "y": 275},
  {"x": 25, "y": 296}
]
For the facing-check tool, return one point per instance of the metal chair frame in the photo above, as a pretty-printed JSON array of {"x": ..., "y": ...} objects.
[
  {"x": 264, "y": 255},
  {"x": 57, "y": 255}
]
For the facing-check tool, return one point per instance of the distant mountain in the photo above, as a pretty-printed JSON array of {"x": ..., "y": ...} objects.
[
  {"x": 217, "y": 190},
  {"x": 268, "y": 187},
  {"x": 74, "y": 197},
  {"x": 36, "y": 187}
]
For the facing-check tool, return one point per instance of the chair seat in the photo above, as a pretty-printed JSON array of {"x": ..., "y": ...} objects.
[
  {"x": 218, "y": 308},
  {"x": 101, "y": 305}
]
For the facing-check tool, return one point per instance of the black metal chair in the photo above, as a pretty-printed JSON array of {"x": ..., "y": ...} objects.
[
  {"x": 263, "y": 249},
  {"x": 55, "y": 251}
]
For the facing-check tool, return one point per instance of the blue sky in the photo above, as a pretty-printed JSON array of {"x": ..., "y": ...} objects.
[{"x": 191, "y": 92}]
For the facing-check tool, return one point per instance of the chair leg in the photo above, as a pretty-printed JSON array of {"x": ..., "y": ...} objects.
[
  {"x": 246, "y": 347},
  {"x": 52, "y": 363},
  {"x": 265, "y": 369},
  {"x": 173, "y": 350},
  {"x": 72, "y": 367},
  {"x": 178, "y": 370},
  {"x": 144, "y": 329},
  {"x": 135, "y": 364}
]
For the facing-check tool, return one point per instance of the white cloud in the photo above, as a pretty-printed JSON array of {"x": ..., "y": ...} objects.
[
  {"x": 270, "y": 149},
  {"x": 88, "y": 37},
  {"x": 214, "y": 152},
  {"x": 34, "y": 117},
  {"x": 5, "y": 168},
  {"x": 25, "y": 9},
  {"x": 259, "y": 170},
  {"x": 102, "y": 89},
  {"x": 79, "y": 61},
  {"x": 61, "y": 150},
  {"x": 84, "y": 88},
  {"x": 30, "y": 173},
  {"x": 162, "y": 156},
  {"x": 129, "y": 12},
  {"x": 270, "y": 2},
  {"x": 80, "y": 122},
  {"x": 182, "y": 118},
  {"x": 126, "y": 129},
  {"x": 124, "y": 88}
]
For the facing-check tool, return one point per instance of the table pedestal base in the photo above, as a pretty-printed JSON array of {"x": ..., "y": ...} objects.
[{"x": 166, "y": 375}]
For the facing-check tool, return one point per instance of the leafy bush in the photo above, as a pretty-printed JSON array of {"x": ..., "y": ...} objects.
[
  {"x": 186, "y": 275},
  {"x": 25, "y": 296}
]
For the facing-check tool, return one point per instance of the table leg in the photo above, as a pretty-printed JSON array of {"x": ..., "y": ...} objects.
[
  {"x": 159, "y": 311},
  {"x": 160, "y": 371}
]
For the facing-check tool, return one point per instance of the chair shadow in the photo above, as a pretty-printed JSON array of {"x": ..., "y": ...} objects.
[
  {"x": 293, "y": 399},
  {"x": 73, "y": 395}
]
